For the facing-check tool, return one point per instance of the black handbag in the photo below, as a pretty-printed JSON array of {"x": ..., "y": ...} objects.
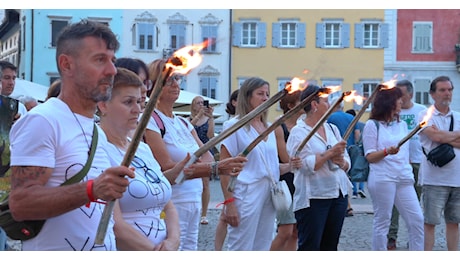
[
  {"x": 25, "y": 230},
  {"x": 444, "y": 153}
]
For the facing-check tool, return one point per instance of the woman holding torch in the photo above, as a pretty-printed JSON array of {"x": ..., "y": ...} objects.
[
  {"x": 322, "y": 185},
  {"x": 391, "y": 181},
  {"x": 180, "y": 139},
  {"x": 249, "y": 209}
]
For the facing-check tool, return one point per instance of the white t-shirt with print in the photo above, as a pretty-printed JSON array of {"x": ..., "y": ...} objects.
[
  {"x": 50, "y": 136},
  {"x": 147, "y": 193},
  {"x": 411, "y": 117}
]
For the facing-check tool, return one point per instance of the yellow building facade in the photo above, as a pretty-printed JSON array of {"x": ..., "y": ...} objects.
[{"x": 325, "y": 47}]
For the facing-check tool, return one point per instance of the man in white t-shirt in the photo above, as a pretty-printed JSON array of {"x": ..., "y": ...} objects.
[
  {"x": 409, "y": 113},
  {"x": 51, "y": 143},
  {"x": 8, "y": 81},
  {"x": 441, "y": 185}
]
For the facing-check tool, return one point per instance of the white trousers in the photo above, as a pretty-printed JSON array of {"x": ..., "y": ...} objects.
[
  {"x": 257, "y": 218},
  {"x": 189, "y": 222},
  {"x": 384, "y": 195}
]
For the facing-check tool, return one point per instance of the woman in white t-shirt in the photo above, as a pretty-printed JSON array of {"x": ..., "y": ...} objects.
[
  {"x": 391, "y": 181},
  {"x": 148, "y": 197},
  {"x": 180, "y": 139}
]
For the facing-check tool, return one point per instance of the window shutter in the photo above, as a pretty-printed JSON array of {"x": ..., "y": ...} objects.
[
  {"x": 359, "y": 90},
  {"x": 181, "y": 35},
  {"x": 301, "y": 34},
  {"x": 359, "y": 35},
  {"x": 384, "y": 30},
  {"x": 213, "y": 87},
  {"x": 319, "y": 35},
  {"x": 345, "y": 35},
  {"x": 203, "y": 86},
  {"x": 276, "y": 34},
  {"x": 261, "y": 34},
  {"x": 236, "y": 34},
  {"x": 133, "y": 34},
  {"x": 205, "y": 32}
]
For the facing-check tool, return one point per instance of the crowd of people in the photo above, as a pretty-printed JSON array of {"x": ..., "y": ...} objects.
[{"x": 101, "y": 97}]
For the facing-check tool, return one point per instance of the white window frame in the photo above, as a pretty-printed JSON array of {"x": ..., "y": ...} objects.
[
  {"x": 53, "y": 37},
  {"x": 288, "y": 34},
  {"x": 422, "y": 91},
  {"x": 371, "y": 34},
  {"x": 249, "y": 34},
  {"x": 332, "y": 34}
]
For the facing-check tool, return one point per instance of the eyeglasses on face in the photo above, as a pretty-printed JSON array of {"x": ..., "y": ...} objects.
[{"x": 172, "y": 79}]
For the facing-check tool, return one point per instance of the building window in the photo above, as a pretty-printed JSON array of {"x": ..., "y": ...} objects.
[
  {"x": 56, "y": 28},
  {"x": 249, "y": 34},
  {"x": 421, "y": 91},
  {"x": 209, "y": 34},
  {"x": 145, "y": 36},
  {"x": 365, "y": 89},
  {"x": 371, "y": 34},
  {"x": 289, "y": 34},
  {"x": 208, "y": 86},
  {"x": 332, "y": 83},
  {"x": 422, "y": 37},
  {"x": 332, "y": 34},
  {"x": 177, "y": 36}
]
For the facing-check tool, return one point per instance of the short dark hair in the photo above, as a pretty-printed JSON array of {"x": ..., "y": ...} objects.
[
  {"x": 7, "y": 65},
  {"x": 132, "y": 64},
  {"x": 439, "y": 79},
  {"x": 307, "y": 92},
  {"x": 290, "y": 98},
  {"x": 406, "y": 83},
  {"x": 69, "y": 38}
]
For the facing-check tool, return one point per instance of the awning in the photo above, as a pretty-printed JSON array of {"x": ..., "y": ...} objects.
[{"x": 28, "y": 88}]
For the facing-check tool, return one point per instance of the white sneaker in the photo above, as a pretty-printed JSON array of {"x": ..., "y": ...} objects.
[{"x": 354, "y": 197}]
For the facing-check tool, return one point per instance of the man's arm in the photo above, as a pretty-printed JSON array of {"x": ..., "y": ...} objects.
[
  {"x": 30, "y": 199},
  {"x": 441, "y": 136}
]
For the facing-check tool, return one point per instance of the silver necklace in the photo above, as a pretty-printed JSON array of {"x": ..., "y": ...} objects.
[{"x": 83, "y": 131}]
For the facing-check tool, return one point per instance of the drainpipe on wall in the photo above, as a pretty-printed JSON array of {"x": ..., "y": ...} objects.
[{"x": 32, "y": 47}]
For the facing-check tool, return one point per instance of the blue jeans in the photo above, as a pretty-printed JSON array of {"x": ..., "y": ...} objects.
[
  {"x": 320, "y": 225},
  {"x": 357, "y": 186}
]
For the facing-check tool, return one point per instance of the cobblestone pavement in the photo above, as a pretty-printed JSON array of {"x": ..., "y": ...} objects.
[{"x": 356, "y": 232}]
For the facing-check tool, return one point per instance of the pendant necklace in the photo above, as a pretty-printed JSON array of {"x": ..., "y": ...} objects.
[{"x": 83, "y": 131}]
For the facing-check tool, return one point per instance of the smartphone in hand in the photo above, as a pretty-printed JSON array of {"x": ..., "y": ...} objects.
[{"x": 206, "y": 103}]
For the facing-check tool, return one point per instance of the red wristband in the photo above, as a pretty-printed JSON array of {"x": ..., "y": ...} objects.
[
  {"x": 227, "y": 201},
  {"x": 89, "y": 192},
  {"x": 385, "y": 152}
]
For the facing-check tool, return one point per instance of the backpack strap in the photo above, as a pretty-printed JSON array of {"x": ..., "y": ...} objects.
[{"x": 159, "y": 122}]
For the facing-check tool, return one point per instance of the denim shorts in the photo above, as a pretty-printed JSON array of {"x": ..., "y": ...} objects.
[{"x": 438, "y": 201}]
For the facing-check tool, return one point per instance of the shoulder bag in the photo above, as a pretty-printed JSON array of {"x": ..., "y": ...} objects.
[{"x": 444, "y": 153}]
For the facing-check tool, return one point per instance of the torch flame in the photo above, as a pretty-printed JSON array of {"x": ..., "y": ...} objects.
[
  {"x": 296, "y": 84},
  {"x": 186, "y": 58},
  {"x": 427, "y": 116},
  {"x": 353, "y": 97},
  {"x": 389, "y": 84},
  {"x": 329, "y": 90}
]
